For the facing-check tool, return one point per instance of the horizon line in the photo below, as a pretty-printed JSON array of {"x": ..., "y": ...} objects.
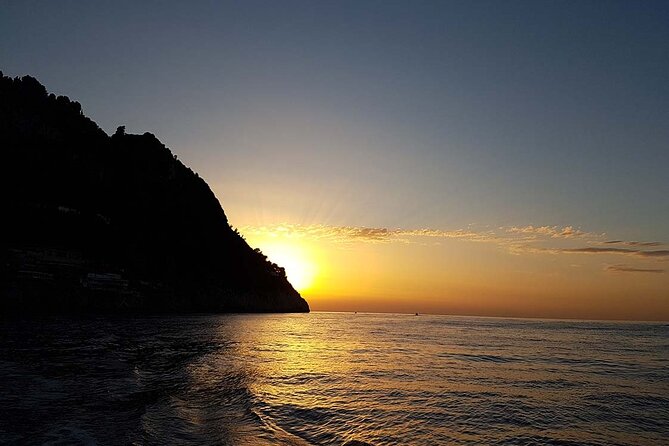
[{"x": 565, "y": 319}]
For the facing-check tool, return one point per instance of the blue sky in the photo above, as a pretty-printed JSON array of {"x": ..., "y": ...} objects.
[{"x": 390, "y": 114}]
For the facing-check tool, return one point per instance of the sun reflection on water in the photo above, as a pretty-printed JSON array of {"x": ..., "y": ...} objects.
[{"x": 329, "y": 378}]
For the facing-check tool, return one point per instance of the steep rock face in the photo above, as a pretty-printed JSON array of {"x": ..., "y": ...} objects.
[{"x": 115, "y": 223}]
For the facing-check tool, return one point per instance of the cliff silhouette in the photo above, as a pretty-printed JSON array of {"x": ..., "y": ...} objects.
[{"x": 115, "y": 223}]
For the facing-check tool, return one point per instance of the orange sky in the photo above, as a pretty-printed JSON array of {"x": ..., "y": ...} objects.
[{"x": 556, "y": 272}]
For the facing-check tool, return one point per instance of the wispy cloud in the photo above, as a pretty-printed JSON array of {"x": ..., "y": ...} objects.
[
  {"x": 347, "y": 234},
  {"x": 595, "y": 250},
  {"x": 626, "y": 251},
  {"x": 464, "y": 234},
  {"x": 631, "y": 269},
  {"x": 641, "y": 244},
  {"x": 549, "y": 231},
  {"x": 516, "y": 239}
]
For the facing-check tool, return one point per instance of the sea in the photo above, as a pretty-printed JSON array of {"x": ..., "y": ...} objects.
[{"x": 332, "y": 379}]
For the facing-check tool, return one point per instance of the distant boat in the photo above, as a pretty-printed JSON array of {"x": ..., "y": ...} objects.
[{"x": 416, "y": 314}]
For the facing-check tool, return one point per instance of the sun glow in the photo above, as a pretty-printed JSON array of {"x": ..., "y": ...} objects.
[{"x": 300, "y": 269}]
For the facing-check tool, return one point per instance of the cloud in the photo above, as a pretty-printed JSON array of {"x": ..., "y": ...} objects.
[
  {"x": 641, "y": 244},
  {"x": 349, "y": 234},
  {"x": 550, "y": 231},
  {"x": 334, "y": 233},
  {"x": 628, "y": 251},
  {"x": 465, "y": 234},
  {"x": 593, "y": 250},
  {"x": 517, "y": 239},
  {"x": 631, "y": 269},
  {"x": 352, "y": 232}
]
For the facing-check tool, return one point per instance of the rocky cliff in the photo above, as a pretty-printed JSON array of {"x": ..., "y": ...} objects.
[{"x": 98, "y": 222}]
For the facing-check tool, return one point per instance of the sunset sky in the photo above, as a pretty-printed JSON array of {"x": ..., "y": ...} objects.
[{"x": 488, "y": 158}]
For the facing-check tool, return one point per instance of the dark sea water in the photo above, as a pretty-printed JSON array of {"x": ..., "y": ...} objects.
[{"x": 330, "y": 378}]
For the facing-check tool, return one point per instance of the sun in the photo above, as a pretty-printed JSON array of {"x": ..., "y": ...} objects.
[{"x": 300, "y": 270}]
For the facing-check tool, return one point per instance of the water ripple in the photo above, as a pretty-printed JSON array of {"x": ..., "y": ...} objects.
[{"x": 333, "y": 379}]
